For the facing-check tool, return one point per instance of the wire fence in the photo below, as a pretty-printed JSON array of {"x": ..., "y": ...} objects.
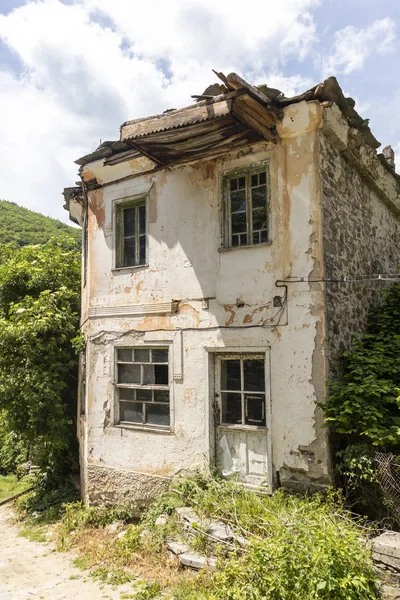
[{"x": 389, "y": 479}]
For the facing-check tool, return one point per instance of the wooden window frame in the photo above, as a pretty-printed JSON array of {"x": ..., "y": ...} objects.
[
  {"x": 220, "y": 357},
  {"x": 247, "y": 173},
  {"x": 142, "y": 386},
  {"x": 120, "y": 238}
]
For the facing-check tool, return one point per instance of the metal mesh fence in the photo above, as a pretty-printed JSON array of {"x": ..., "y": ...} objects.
[{"x": 389, "y": 479}]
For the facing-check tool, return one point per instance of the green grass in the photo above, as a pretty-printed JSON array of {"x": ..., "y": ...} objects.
[
  {"x": 10, "y": 485},
  {"x": 307, "y": 547}
]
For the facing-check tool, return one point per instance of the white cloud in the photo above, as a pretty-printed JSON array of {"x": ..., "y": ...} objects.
[
  {"x": 90, "y": 65},
  {"x": 353, "y": 46}
]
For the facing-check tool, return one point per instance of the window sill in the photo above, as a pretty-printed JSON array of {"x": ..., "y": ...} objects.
[
  {"x": 133, "y": 268},
  {"x": 146, "y": 429},
  {"x": 233, "y": 248},
  {"x": 242, "y": 427}
]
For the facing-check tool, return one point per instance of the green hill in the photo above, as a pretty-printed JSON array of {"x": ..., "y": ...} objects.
[{"x": 24, "y": 226}]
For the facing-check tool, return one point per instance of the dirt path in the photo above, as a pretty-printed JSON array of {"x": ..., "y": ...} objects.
[{"x": 34, "y": 570}]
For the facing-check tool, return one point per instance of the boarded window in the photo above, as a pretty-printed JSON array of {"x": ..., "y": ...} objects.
[
  {"x": 142, "y": 382},
  {"x": 246, "y": 208}
]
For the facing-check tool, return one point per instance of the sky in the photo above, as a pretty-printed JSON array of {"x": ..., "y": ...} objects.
[{"x": 71, "y": 71}]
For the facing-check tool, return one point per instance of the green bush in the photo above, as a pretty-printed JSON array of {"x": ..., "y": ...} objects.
[
  {"x": 363, "y": 408},
  {"x": 12, "y": 448},
  {"x": 39, "y": 318},
  {"x": 297, "y": 547},
  {"x": 364, "y": 405}
]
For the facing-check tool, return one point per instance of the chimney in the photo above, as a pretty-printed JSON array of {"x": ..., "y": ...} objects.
[{"x": 388, "y": 153}]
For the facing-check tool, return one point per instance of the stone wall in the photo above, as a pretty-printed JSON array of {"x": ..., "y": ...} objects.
[{"x": 361, "y": 234}]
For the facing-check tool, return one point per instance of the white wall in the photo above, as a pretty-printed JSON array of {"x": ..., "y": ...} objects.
[{"x": 185, "y": 264}]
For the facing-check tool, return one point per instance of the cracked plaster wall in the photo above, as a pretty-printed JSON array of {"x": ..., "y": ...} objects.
[{"x": 186, "y": 264}]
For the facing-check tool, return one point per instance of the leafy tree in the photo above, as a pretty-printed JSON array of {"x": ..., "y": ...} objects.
[
  {"x": 23, "y": 226},
  {"x": 39, "y": 317}
]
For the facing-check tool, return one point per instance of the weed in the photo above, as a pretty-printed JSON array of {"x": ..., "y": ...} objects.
[
  {"x": 34, "y": 533},
  {"x": 151, "y": 590}
]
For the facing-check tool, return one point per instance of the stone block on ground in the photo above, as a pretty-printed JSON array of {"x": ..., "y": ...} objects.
[
  {"x": 197, "y": 561},
  {"x": 177, "y": 547},
  {"x": 386, "y": 549},
  {"x": 221, "y": 531}
]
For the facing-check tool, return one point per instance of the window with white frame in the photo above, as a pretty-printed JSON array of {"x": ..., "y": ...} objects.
[
  {"x": 130, "y": 233},
  {"x": 142, "y": 386},
  {"x": 242, "y": 389},
  {"x": 246, "y": 207}
]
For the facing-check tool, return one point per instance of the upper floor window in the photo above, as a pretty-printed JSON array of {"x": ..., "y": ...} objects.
[
  {"x": 131, "y": 233},
  {"x": 246, "y": 207}
]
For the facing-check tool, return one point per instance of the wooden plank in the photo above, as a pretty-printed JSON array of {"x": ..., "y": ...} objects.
[
  {"x": 201, "y": 111},
  {"x": 235, "y": 82},
  {"x": 250, "y": 121},
  {"x": 254, "y": 108}
]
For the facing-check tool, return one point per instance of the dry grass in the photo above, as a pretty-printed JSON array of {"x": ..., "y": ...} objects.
[{"x": 99, "y": 549}]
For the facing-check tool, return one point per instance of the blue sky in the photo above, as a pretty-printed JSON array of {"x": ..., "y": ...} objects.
[{"x": 71, "y": 71}]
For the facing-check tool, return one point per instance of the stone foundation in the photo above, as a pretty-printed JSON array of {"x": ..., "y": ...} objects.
[{"x": 111, "y": 487}]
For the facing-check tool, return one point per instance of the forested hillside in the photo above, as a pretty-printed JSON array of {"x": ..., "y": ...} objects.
[{"x": 24, "y": 226}]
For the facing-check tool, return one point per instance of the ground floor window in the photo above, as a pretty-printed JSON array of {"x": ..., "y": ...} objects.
[
  {"x": 142, "y": 383},
  {"x": 241, "y": 383}
]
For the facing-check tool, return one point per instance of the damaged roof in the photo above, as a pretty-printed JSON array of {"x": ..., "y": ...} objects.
[{"x": 227, "y": 115}]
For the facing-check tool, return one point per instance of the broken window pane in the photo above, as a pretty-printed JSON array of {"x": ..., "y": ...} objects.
[
  {"x": 126, "y": 394},
  {"x": 254, "y": 376},
  {"x": 231, "y": 408},
  {"x": 234, "y": 184},
  {"x": 255, "y": 410},
  {"x": 238, "y": 201},
  {"x": 160, "y": 356},
  {"x": 124, "y": 355},
  {"x": 235, "y": 240},
  {"x": 157, "y": 414},
  {"x": 230, "y": 375},
  {"x": 254, "y": 180},
  {"x": 263, "y": 178},
  {"x": 129, "y": 221},
  {"x": 129, "y": 374},
  {"x": 131, "y": 412},
  {"x": 241, "y": 183},
  {"x": 142, "y": 355},
  {"x": 155, "y": 374},
  {"x": 129, "y": 252},
  {"x": 264, "y": 235}
]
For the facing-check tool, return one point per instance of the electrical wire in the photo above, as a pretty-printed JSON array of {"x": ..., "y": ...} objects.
[
  {"x": 344, "y": 279},
  {"x": 278, "y": 314}
]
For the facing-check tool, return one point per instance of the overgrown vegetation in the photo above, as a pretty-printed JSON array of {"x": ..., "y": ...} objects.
[
  {"x": 39, "y": 318},
  {"x": 296, "y": 547},
  {"x": 10, "y": 485},
  {"x": 363, "y": 408},
  {"x": 23, "y": 226}
]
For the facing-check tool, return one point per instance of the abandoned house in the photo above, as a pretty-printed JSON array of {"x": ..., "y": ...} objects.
[{"x": 231, "y": 250}]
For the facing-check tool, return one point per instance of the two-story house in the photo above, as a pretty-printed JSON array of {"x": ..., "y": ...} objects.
[{"x": 230, "y": 252}]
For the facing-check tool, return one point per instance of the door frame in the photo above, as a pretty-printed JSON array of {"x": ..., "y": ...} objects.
[{"x": 212, "y": 353}]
